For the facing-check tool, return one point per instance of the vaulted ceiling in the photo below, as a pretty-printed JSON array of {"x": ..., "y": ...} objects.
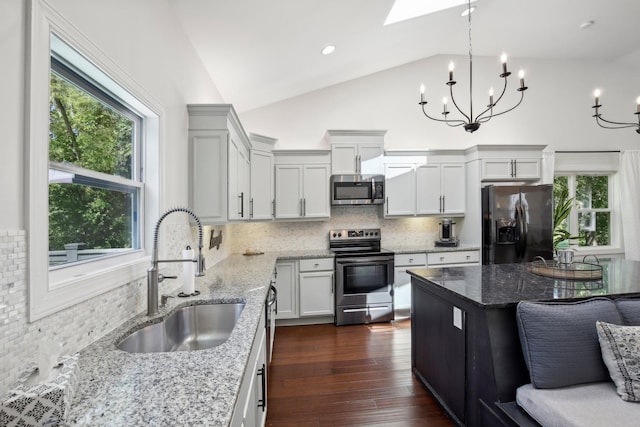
[{"x": 263, "y": 51}]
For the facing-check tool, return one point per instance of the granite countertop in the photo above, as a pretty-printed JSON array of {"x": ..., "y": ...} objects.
[
  {"x": 180, "y": 388},
  {"x": 501, "y": 285}
]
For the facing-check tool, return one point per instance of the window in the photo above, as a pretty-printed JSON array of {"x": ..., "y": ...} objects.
[
  {"x": 94, "y": 177},
  {"x": 92, "y": 168},
  {"x": 590, "y": 220}
]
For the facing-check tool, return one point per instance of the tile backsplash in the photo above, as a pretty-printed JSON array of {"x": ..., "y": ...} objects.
[{"x": 305, "y": 235}]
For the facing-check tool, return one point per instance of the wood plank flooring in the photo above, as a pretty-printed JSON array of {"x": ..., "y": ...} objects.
[{"x": 360, "y": 375}]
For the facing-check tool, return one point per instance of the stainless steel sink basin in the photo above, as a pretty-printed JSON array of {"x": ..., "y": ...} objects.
[{"x": 195, "y": 327}]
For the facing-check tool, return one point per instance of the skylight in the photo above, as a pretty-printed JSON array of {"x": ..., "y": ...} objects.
[{"x": 408, "y": 9}]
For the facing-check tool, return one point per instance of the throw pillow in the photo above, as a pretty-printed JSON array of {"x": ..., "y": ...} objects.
[
  {"x": 621, "y": 353},
  {"x": 560, "y": 342}
]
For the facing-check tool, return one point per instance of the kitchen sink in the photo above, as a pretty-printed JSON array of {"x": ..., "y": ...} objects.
[{"x": 195, "y": 327}]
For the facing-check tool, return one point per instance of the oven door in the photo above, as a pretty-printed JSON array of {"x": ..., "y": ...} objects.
[{"x": 362, "y": 280}]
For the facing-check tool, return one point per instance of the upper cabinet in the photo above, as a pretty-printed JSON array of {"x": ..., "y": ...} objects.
[
  {"x": 419, "y": 183},
  {"x": 302, "y": 184},
  {"x": 262, "y": 200},
  {"x": 356, "y": 151},
  {"x": 219, "y": 163},
  {"x": 508, "y": 162}
]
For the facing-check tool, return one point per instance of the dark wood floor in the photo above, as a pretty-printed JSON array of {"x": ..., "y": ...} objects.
[{"x": 323, "y": 375}]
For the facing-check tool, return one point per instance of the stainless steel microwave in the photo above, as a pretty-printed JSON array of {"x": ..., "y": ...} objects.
[{"x": 357, "y": 189}]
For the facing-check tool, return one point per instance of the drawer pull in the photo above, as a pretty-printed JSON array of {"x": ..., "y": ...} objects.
[{"x": 441, "y": 258}]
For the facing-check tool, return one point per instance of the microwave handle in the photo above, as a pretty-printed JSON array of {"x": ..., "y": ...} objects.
[{"x": 373, "y": 190}]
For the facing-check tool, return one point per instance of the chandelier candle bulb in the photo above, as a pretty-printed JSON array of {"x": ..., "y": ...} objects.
[
  {"x": 491, "y": 97},
  {"x": 596, "y": 94},
  {"x": 422, "y": 94},
  {"x": 444, "y": 103},
  {"x": 451, "y": 71},
  {"x": 521, "y": 75},
  {"x": 638, "y": 106},
  {"x": 503, "y": 59}
]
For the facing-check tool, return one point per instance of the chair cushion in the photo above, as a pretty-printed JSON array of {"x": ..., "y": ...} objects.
[
  {"x": 629, "y": 310},
  {"x": 621, "y": 353},
  {"x": 560, "y": 342}
]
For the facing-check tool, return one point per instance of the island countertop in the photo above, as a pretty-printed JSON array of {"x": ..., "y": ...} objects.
[{"x": 500, "y": 285}]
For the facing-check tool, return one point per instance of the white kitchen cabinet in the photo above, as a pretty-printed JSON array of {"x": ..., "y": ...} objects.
[
  {"x": 251, "y": 404},
  {"x": 287, "y": 287},
  {"x": 316, "y": 287},
  {"x": 302, "y": 187},
  {"x": 440, "y": 189},
  {"x": 453, "y": 258},
  {"x": 218, "y": 164},
  {"x": 402, "y": 280},
  {"x": 400, "y": 190},
  {"x": 262, "y": 186},
  {"x": 239, "y": 173},
  {"x": 357, "y": 151},
  {"x": 507, "y": 162},
  {"x": 417, "y": 184},
  {"x": 511, "y": 169}
]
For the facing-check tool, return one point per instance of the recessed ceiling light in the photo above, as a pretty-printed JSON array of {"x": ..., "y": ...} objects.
[
  {"x": 408, "y": 9},
  {"x": 587, "y": 24},
  {"x": 328, "y": 49}
]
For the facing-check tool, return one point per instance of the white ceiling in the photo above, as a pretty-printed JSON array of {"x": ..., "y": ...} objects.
[{"x": 262, "y": 51}]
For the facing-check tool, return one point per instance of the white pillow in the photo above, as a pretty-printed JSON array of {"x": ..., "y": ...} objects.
[{"x": 620, "y": 346}]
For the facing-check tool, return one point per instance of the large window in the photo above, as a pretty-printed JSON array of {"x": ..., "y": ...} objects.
[
  {"x": 590, "y": 220},
  {"x": 92, "y": 167},
  {"x": 94, "y": 172}
]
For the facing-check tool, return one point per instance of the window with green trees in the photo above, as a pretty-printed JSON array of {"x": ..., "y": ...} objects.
[
  {"x": 94, "y": 169},
  {"x": 590, "y": 218}
]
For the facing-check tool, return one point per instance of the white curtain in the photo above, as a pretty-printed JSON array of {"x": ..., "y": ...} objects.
[
  {"x": 548, "y": 166},
  {"x": 630, "y": 202}
]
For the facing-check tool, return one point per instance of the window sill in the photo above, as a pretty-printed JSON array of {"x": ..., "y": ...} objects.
[{"x": 74, "y": 290}]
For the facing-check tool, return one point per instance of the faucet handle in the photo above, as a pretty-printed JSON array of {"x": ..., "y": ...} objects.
[
  {"x": 164, "y": 298},
  {"x": 161, "y": 277}
]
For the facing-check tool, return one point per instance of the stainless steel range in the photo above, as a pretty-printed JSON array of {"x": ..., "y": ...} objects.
[{"x": 364, "y": 277}]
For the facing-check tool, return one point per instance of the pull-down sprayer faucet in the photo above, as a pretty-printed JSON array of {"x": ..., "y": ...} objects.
[{"x": 153, "y": 278}]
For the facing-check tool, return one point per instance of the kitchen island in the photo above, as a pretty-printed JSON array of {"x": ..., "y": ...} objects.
[{"x": 465, "y": 344}]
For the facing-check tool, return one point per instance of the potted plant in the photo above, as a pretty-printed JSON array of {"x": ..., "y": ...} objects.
[{"x": 561, "y": 210}]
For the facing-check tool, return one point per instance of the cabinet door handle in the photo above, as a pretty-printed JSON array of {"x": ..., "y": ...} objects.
[
  {"x": 304, "y": 207},
  {"x": 251, "y": 208},
  {"x": 387, "y": 205},
  {"x": 262, "y": 403},
  {"x": 441, "y": 258},
  {"x": 273, "y": 207},
  {"x": 301, "y": 213}
]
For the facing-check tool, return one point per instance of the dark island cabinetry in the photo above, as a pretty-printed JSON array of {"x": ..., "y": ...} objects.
[{"x": 465, "y": 345}]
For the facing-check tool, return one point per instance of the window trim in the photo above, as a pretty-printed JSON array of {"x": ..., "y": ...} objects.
[{"x": 52, "y": 292}]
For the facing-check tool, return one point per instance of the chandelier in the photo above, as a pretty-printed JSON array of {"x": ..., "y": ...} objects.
[
  {"x": 469, "y": 122},
  {"x": 614, "y": 125}
]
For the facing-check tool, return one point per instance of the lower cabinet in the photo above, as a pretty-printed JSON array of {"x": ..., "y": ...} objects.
[
  {"x": 305, "y": 288},
  {"x": 287, "y": 286},
  {"x": 251, "y": 404},
  {"x": 453, "y": 258},
  {"x": 316, "y": 287},
  {"x": 402, "y": 280}
]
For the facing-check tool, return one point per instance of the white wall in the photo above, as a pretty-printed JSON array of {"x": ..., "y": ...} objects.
[{"x": 556, "y": 110}]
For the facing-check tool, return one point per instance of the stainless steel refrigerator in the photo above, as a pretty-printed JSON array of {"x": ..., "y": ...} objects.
[{"x": 517, "y": 223}]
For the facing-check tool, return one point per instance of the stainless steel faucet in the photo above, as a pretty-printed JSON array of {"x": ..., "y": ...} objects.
[{"x": 153, "y": 278}]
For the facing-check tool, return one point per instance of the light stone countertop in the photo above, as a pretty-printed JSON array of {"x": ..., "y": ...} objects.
[
  {"x": 186, "y": 387},
  {"x": 117, "y": 388}
]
